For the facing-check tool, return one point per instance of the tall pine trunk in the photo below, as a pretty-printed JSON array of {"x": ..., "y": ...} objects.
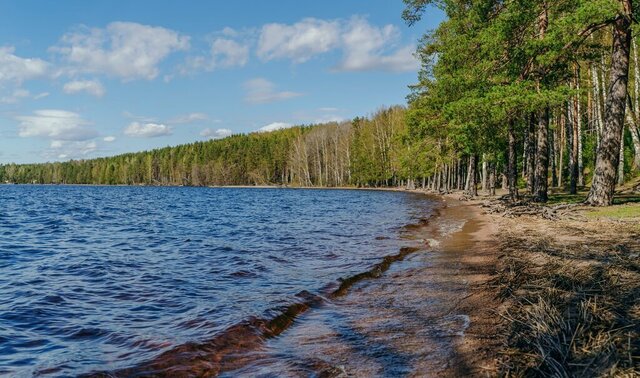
[
  {"x": 530, "y": 162},
  {"x": 542, "y": 157},
  {"x": 512, "y": 164},
  {"x": 575, "y": 149},
  {"x": 472, "y": 182},
  {"x": 578, "y": 131},
  {"x": 633, "y": 127},
  {"x": 621, "y": 161},
  {"x": 607, "y": 158}
]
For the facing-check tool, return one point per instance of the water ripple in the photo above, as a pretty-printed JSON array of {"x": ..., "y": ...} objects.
[{"x": 103, "y": 278}]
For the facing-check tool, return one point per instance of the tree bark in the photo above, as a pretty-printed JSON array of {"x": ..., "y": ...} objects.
[
  {"x": 512, "y": 164},
  {"x": 542, "y": 157},
  {"x": 562, "y": 136},
  {"x": 492, "y": 179},
  {"x": 607, "y": 158},
  {"x": 575, "y": 149},
  {"x": 578, "y": 131},
  {"x": 531, "y": 146},
  {"x": 634, "y": 128},
  {"x": 472, "y": 183},
  {"x": 599, "y": 121},
  {"x": 568, "y": 135},
  {"x": 621, "y": 161},
  {"x": 484, "y": 173},
  {"x": 553, "y": 160}
]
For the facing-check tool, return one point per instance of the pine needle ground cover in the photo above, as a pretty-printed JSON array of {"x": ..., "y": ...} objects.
[{"x": 572, "y": 293}]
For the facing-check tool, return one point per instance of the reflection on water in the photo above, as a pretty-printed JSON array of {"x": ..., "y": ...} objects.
[{"x": 110, "y": 278}]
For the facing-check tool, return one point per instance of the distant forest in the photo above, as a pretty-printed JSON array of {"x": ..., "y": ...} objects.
[{"x": 363, "y": 152}]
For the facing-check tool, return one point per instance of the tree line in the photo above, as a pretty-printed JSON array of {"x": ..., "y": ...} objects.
[{"x": 364, "y": 152}]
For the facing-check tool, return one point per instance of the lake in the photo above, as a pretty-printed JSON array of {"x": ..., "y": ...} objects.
[{"x": 106, "y": 278}]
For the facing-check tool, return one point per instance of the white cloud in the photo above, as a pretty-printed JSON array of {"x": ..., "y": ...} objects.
[
  {"x": 215, "y": 134},
  {"x": 188, "y": 118},
  {"x": 147, "y": 130},
  {"x": 274, "y": 126},
  {"x": 229, "y": 32},
  {"x": 224, "y": 53},
  {"x": 15, "y": 96},
  {"x": 41, "y": 95},
  {"x": 261, "y": 91},
  {"x": 298, "y": 42},
  {"x": 55, "y": 124},
  {"x": 92, "y": 87},
  {"x": 65, "y": 150},
  {"x": 123, "y": 49},
  {"x": 16, "y": 69},
  {"x": 364, "y": 47},
  {"x": 229, "y": 53},
  {"x": 109, "y": 139}
]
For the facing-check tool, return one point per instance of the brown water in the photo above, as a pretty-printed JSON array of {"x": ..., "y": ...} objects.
[
  {"x": 398, "y": 319},
  {"x": 403, "y": 323}
]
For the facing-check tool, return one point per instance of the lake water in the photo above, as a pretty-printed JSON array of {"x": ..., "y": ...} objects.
[{"x": 99, "y": 279}]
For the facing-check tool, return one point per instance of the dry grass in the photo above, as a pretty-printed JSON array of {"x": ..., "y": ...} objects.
[{"x": 572, "y": 290}]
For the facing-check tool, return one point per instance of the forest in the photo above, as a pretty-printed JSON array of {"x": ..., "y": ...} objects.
[
  {"x": 363, "y": 152},
  {"x": 527, "y": 95}
]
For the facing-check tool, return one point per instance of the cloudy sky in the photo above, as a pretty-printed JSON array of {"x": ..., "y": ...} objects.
[{"x": 81, "y": 79}]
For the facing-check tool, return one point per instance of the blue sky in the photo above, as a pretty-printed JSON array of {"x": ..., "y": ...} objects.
[{"x": 81, "y": 79}]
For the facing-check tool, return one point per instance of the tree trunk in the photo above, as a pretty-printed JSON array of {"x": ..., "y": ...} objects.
[
  {"x": 484, "y": 173},
  {"x": 531, "y": 147},
  {"x": 562, "y": 136},
  {"x": 575, "y": 149},
  {"x": 552, "y": 157},
  {"x": 541, "y": 177},
  {"x": 542, "y": 157},
  {"x": 607, "y": 158},
  {"x": 512, "y": 164},
  {"x": 635, "y": 128},
  {"x": 472, "y": 183},
  {"x": 492, "y": 179},
  {"x": 578, "y": 130},
  {"x": 621, "y": 161},
  {"x": 598, "y": 109}
]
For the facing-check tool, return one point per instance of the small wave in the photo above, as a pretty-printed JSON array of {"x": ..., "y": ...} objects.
[
  {"x": 228, "y": 349},
  {"x": 221, "y": 352},
  {"x": 375, "y": 272}
]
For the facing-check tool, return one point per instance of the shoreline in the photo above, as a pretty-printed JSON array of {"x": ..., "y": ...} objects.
[
  {"x": 476, "y": 252},
  {"x": 390, "y": 188}
]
